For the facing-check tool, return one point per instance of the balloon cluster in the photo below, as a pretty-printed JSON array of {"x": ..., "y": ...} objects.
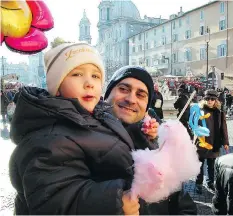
[{"x": 23, "y": 24}]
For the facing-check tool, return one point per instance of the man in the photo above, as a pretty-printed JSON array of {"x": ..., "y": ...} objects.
[
  {"x": 228, "y": 101},
  {"x": 223, "y": 197},
  {"x": 179, "y": 105},
  {"x": 157, "y": 101},
  {"x": 130, "y": 92}
]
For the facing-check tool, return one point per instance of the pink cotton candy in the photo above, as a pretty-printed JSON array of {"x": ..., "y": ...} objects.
[
  {"x": 159, "y": 173},
  {"x": 147, "y": 121}
]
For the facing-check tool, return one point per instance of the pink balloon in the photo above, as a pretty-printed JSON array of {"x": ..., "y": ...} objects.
[
  {"x": 42, "y": 17},
  {"x": 1, "y": 38},
  {"x": 34, "y": 41}
]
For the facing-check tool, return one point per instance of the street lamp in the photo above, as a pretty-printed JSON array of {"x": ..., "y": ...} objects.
[{"x": 207, "y": 40}]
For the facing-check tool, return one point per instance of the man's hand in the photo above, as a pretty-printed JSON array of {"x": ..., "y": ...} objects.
[
  {"x": 130, "y": 207},
  {"x": 226, "y": 147},
  {"x": 150, "y": 128}
]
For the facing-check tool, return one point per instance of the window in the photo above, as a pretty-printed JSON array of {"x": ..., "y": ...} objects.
[
  {"x": 134, "y": 50},
  {"x": 180, "y": 22},
  {"x": 148, "y": 62},
  {"x": 134, "y": 62},
  {"x": 187, "y": 20},
  {"x": 139, "y": 37},
  {"x": 147, "y": 45},
  {"x": 154, "y": 43},
  {"x": 201, "y": 30},
  {"x": 163, "y": 29},
  {"x": 201, "y": 15},
  {"x": 222, "y": 24},
  {"x": 146, "y": 34},
  {"x": 133, "y": 39},
  {"x": 203, "y": 53},
  {"x": 154, "y": 31},
  {"x": 163, "y": 40},
  {"x": 175, "y": 57},
  {"x": 174, "y": 25},
  {"x": 187, "y": 34},
  {"x": 188, "y": 54},
  {"x": 222, "y": 50},
  {"x": 108, "y": 13},
  {"x": 140, "y": 61},
  {"x": 222, "y": 7},
  {"x": 175, "y": 37},
  {"x": 101, "y": 14},
  {"x": 140, "y": 48}
]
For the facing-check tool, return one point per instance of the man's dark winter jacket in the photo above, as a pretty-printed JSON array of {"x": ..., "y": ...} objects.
[
  {"x": 223, "y": 198},
  {"x": 67, "y": 161}
]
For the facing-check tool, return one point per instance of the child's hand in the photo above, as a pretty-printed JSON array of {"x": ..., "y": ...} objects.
[
  {"x": 150, "y": 128},
  {"x": 130, "y": 207}
]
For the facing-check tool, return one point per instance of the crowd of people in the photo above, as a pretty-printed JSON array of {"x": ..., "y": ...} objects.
[{"x": 73, "y": 153}]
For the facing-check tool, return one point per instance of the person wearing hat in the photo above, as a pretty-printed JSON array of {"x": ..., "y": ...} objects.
[
  {"x": 216, "y": 123},
  {"x": 72, "y": 156},
  {"x": 130, "y": 92}
]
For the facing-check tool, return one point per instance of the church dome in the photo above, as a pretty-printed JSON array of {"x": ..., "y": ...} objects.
[
  {"x": 122, "y": 8},
  {"x": 125, "y": 8}
]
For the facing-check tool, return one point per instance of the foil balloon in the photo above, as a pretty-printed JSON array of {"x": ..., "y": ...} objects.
[
  {"x": 23, "y": 24},
  {"x": 196, "y": 115}
]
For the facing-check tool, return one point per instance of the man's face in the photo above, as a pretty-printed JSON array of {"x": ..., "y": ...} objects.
[{"x": 129, "y": 99}]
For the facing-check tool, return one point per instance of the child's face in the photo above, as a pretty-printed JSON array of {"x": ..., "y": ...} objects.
[{"x": 83, "y": 83}]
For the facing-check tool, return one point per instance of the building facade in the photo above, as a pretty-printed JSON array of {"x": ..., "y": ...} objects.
[
  {"x": 36, "y": 70},
  {"x": 179, "y": 45},
  {"x": 119, "y": 20},
  {"x": 20, "y": 70}
]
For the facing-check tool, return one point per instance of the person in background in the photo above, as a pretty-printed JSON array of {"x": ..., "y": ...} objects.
[
  {"x": 216, "y": 123},
  {"x": 4, "y": 104},
  {"x": 157, "y": 102},
  {"x": 223, "y": 197},
  {"x": 179, "y": 105},
  {"x": 228, "y": 101}
]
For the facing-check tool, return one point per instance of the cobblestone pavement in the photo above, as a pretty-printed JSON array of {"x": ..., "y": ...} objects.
[{"x": 7, "y": 193}]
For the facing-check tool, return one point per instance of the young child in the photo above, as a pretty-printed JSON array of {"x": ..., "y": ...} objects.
[{"x": 72, "y": 155}]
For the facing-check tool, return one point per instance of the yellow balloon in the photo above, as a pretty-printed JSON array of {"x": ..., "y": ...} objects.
[
  {"x": 204, "y": 144},
  {"x": 16, "y": 18}
]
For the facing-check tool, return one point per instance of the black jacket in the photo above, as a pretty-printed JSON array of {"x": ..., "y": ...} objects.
[
  {"x": 68, "y": 161},
  {"x": 223, "y": 198},
  {"x": 179, "y": 105},
  {"x": 159, "y": 111}
]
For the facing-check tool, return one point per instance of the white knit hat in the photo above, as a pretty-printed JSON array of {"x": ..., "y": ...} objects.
[{"x": 61, "y": 60}]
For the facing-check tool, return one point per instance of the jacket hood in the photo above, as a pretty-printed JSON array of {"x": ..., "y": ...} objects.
[{"x": 37, "y": 109}]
